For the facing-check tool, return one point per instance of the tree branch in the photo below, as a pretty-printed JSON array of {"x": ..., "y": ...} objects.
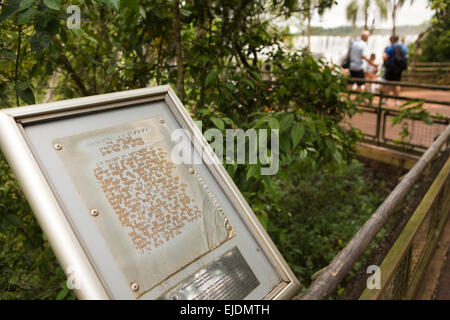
[
  {"x": 75, "y": 77},
  {"x": 178, "y": 49},
  {"x": 16, "y": 71}
]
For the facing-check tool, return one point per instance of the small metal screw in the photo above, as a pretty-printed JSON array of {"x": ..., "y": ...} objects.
[
  {"x": 162, "y": 121},
  {"x": 191, "y": 170},
  {"x": 134, "y": 286},
  {"x": 94, "y": 212},
  {"x": 57, "y": 146}
]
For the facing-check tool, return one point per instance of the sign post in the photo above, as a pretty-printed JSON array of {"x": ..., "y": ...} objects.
[{"x": 125, "y": 217}]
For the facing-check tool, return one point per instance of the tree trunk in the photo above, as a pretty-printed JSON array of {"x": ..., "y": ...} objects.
[
  {"x": 51, "y": 86},
  {"x": 308, "y": 31},
  {"x": 158, "y": 63},
  {"x": 75, "y": 77},
  {"x": 16, "y": 69},
  {"x": 394, "y": 13},
  {"x": 178, "y": 49},
  {"x": 366, "y": 17}
]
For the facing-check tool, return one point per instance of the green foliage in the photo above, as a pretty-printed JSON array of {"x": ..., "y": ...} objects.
[
  {"x": 410, "y": 110},
  {"x": 313, "y": 215},
  {"x": 436, "y": 44},
  {"x": 28, "y": 268},
  {"x": 355, "y": 7},
  {"x": 311, "y": 207}
]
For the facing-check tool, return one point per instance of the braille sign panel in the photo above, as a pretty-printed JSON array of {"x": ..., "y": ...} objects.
[{"x": 151, "y": 211}]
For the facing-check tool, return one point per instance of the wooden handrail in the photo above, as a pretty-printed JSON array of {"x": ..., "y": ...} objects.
[
  {"x": 420, "y": 64},
  {"x": 405, "y": 84},
  {"x": 430, "y": 206},
  {"x": 387, "y": 96},
  {"x": 428, "y": 69},
  {"x": 335, "y": 272}
]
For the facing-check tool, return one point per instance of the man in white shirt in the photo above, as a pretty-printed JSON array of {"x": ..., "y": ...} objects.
[{"x": 359, "y": 53}]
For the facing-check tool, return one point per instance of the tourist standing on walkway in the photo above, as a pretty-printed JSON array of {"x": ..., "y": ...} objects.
[
  {"x": 395, "y": 61},
  {"x": 358, "y": 53},
  {"x": 370, "y": 73}
]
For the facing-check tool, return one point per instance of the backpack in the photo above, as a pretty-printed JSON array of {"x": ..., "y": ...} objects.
[
  {"x": 346, "y": 61},
  {"x": 400, "y": 62}
]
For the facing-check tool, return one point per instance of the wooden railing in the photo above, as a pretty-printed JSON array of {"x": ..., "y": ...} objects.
[
  {"x": 331, "y": 276},
  {"x": 403, "y": 268},
  {"x": 426, "y": 72},
  {"x": 375, "y": 119}
]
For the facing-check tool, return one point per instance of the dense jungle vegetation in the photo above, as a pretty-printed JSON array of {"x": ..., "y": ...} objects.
[
  {"x": 435, "y": 43},
  {"x": 217, "y": 55}
]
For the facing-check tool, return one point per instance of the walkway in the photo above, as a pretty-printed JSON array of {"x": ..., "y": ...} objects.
[{"x": 420, "y": 133}]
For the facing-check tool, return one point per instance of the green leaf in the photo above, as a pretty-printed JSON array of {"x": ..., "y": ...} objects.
[
  {"x": 44, "y": 18},
  {"x": 14, "y": 220},
  {"x": 79, "y": 33},
  {"x": 229, "y": 86},
  {"x": 210, "y": 77},
  {"x": 133, "y": 5},
  {"x": 11, "y": 8},
  {"x": 26, "y": 4},
  {"x": 26, "y": 16},
  {"x": 218, "y": 123},
  {"x": 249, "y": 82},
  {"x": 273, "y": 123},
  {"x": 286, "y": 122},
  {"x": 338, "y": 157},
  {"x": 297, "y": 134},
  {"x": 303, "y": 154},
  {"x": 264, "y": 221},
  {"x": 35, "y": 44},
  {"x": 231, "y": 169},
  {"x": 26, "y": 94},
  {"x": 62, "y": 293},
  {"x": 285, "y": 145},
  {"x": 115, "y": 4},
  {"x": 3, "y": 229},
  {"x": 43, "y": 37},
  {"x": 252, "y": 171},
  {"x": 256, "y": 75},
  {"x": 260, "y": 121},
  {"x": 184, "y": 12},
  {"x": 203, "y": 58},
  {"x": 8, "y": 54},
  {"x": 228, "y": 121},
  {"x": 52, "y": 4}
]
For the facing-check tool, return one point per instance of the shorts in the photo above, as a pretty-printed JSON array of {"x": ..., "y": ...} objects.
[
  {"x": 391, "y": 75},
  {"x": 357, "y": 74}
]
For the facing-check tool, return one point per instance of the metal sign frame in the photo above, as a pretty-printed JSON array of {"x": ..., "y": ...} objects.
[{"x": 51, "y": 212}]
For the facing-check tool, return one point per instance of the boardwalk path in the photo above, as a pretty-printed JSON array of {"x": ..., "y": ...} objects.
[{"x": 420, "y": 133}]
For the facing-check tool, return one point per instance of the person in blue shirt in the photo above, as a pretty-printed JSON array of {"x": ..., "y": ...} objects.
[{"x": 395, "y": 61}]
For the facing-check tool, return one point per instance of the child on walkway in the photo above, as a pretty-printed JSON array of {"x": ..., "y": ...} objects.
[{"x": 370, "y": 73}]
